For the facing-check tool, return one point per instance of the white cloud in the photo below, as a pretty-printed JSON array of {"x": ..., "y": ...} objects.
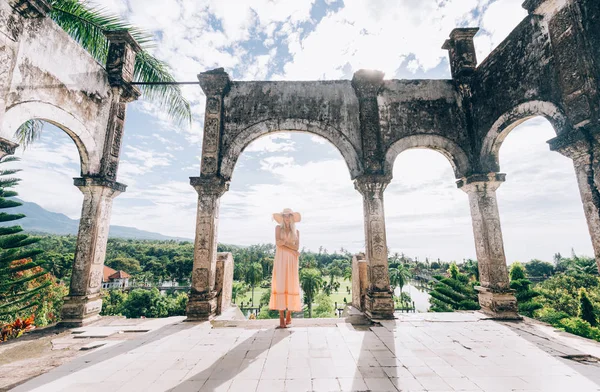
[{"x": 271, "y": 143}]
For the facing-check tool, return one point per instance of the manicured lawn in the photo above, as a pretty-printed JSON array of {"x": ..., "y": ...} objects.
[
  {"x": 246, "y": 297},
  {"x": 337, "y": 296}
]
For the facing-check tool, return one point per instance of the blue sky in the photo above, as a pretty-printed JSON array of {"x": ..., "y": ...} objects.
[{"x": 426, "y": 215}]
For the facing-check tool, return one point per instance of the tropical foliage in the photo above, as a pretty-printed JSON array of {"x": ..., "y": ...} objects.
[
  {"x": 523, "y": 292},
  {"x": 454, "y": 292},
  {"x": 311, "y": 282},
  {"x": 22, "y": 276}
]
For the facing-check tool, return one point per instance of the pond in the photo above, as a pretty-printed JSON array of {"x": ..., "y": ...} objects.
[{"x": 419, "y": 296}]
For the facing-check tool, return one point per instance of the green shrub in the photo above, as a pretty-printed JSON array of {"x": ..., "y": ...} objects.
[
  {"x": 550, "y": 316},
  {"x": 580, "y": 327},
  {"x": 586, "y": 308}
]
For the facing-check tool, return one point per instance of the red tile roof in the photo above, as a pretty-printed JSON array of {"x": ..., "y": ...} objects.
[
  {"x": 119, "y": 275},
  {"x": 107, "y": 273}
]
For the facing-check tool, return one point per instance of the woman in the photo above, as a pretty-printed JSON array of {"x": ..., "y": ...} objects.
[{"x": 285, "y": 285}]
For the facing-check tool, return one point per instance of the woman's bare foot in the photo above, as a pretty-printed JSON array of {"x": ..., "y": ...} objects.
[
  {"x": 282, "y": 319},
  {"x": 288, "y": 319}
]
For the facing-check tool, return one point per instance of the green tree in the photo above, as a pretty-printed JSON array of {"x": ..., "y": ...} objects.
[
  {"x": 325, "y": 307},
  {"x": 453, "y": 293},
  {"x": 112, "y": 302},
  {"x": 254, "y": 276},
  {"x": 127, "y": 264},
  {"x": 523, "y": 292},
  {"x": 19, "y": 266},
  {"x": 586, "y": 308},
  {"x": 238, "y": 288},
  {"x": 147, "y": 303},
  {"x": 399, "y": 277},
  {"x": 537, "y": 267},
  {"x": 311, "y": 282},
  {"x": 86, "y": 24}
]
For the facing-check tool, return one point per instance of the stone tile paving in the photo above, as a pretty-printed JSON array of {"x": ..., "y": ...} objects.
[{"x": 423, "y": 352}]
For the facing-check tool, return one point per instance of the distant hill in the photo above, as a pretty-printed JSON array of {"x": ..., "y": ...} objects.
[{"x": 40, "y": 220}]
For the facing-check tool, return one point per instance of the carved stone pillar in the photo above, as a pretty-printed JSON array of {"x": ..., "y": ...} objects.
[
  {"x": 215, "y": 84},
  {"x": 495, "y": 296},
  {"x": 203, "y": 295},
  {"x": 366, "y": 84},
  {"x": 585, "y": 153},
  {"x": 120, "y": 66},
  {"x": 379, "y": 300},
  {"x": 83, "y": 304}
]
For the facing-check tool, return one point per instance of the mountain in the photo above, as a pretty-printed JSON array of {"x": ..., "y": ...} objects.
[{"x": 40, "y": 220}]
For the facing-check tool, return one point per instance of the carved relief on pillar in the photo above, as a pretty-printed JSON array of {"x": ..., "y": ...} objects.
[
  {"x": 215, "y": 84},
  {"x": 367, "y": 84}
]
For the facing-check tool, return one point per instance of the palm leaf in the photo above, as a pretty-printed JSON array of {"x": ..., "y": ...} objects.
[{"x": 86, "y": 24}]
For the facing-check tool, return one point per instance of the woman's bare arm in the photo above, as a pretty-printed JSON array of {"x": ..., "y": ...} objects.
[{"x": 278, "y": 240}]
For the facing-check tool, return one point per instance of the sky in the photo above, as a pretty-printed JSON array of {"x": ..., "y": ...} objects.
[{"x": 426, "y": 215}]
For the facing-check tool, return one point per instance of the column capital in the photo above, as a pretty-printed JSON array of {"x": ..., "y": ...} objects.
[
  {"x": 367, "y": 83},
  {"x": 120, "y": 62},
  {"x": 31, "y": 8},
  {"x": 214, "y": 82},
  {"x": 213, "y": 185},
  {"x": 461, "y": 49},
  {"x": 89, "y": 181},
  {"x": 372, "y": 184},
  {"x": 573, "y": 144},
  {"x": 481, "y": 182}
]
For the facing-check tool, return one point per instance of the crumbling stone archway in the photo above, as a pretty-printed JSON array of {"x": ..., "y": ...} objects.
[
  {"x": 546, "y": 66},
  {"x": 458, "y": 159},
  {"x": 44, "y": 74},
  {"x": 492, "y": 141},
  {"x": 255, "y": 131},
  {"x": 89, "y": 153}
]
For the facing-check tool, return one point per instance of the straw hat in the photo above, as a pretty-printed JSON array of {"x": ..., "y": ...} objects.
[{"x": 278, "y": 216}]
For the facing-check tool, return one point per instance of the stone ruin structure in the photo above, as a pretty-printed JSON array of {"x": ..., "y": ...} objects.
[{"x": 548, "y": 66}]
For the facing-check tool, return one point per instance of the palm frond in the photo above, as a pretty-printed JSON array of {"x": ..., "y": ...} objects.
[
  {"x": 86, "y": 24},
  {"x": 29, "y": 132},
  {"x": 150, "y": 69}
]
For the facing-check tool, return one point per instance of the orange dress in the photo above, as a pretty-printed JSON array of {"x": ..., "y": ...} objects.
[{"x": 285, "y": 285}]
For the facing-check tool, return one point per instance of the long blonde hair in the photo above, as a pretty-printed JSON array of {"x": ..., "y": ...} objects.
[{"x": 289, "y": 233}]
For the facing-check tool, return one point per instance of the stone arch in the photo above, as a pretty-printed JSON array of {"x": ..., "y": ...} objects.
[
  {"x": 255, "y": 131},
  {"x": 18, "y": 114},
  {"x": 452, "y": 151},
  {"x": 490, "y": 148}
]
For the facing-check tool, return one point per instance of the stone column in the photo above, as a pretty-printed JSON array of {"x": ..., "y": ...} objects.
[
  {"x": 379, "y": 301},
  {"x": 495, "y": 296},
  {"x": 83, "y": 304},
  {"x": 203, "y": 296},
  {"x": 585, "y": 153}
]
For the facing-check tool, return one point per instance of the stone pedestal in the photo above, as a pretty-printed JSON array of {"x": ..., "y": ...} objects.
[
  {"x": 499, "y": 304},
  {"x": 360, "y": 281},
  {"x": 202, "y": 303},
  {"x": 224, "y": 281},
  {"x": 495, "y": 296},
  {"x": 83, "y": 304},
  {"x": 379, "y": 302}
]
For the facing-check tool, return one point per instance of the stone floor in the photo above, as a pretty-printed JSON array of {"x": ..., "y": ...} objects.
[{"x": 417, "y": 352}]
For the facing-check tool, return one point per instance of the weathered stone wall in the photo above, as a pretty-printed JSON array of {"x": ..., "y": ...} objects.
[
  {"x": 328, "y": 109},
  {"x": 518, "y": 71},
  {"x": 423, "y": 114},
  {"x": 55, "y": 79},
  {"x": 224, "y": 281}
]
